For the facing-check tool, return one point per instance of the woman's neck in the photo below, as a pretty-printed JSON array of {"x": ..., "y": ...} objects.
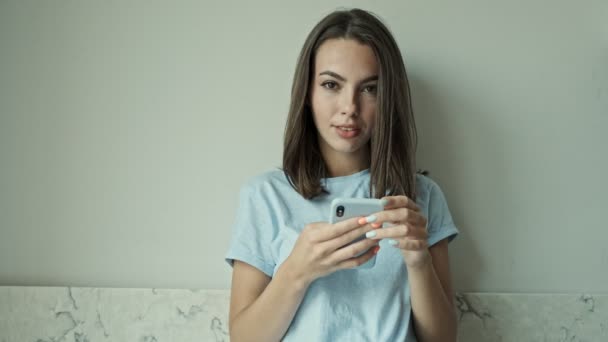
[{"x": 343, "y": 164}]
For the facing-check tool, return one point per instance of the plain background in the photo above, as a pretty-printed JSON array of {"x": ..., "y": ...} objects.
[{"x": 127, "y": 128}]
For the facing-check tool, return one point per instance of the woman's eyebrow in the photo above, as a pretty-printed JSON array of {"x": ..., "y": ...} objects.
[{"x": 341, "y": 78}]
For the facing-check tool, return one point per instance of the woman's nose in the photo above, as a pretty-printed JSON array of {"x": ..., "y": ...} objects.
[{"x": 349, "y": 103}]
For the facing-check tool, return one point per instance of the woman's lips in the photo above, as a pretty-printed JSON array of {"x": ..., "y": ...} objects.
[{"x": 347, "y": 132}]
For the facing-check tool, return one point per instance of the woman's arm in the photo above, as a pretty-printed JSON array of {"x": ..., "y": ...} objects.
[
  {"x": 262, "y": 308},
  {"x": 428, "y": 269},
  {"x": 432, "y": 298}
]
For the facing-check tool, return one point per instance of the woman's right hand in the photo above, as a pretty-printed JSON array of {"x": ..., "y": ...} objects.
[{"x": 321, "y": 249}]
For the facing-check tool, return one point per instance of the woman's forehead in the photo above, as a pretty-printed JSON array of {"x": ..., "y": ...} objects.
[{"x": 346, "y": 57}]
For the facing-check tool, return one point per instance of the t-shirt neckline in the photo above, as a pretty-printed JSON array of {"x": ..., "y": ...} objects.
[{"x": 350, "y": 177}]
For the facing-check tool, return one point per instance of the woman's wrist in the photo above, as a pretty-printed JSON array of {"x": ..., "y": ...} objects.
[
  {"x": 296, "y": 279},
  {"x": 421, "y": 264}
]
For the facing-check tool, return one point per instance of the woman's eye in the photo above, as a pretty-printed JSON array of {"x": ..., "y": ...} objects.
[
  {"x": 370, "y": 89},
  {"x": 330, "y": 85}
]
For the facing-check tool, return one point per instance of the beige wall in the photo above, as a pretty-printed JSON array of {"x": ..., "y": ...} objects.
[{"x": 127, "y": 129}]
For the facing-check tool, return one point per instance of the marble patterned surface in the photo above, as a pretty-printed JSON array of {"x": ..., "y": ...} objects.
[
  {"x": 503, "y": 317},
  {"x": 56, "y": 314}
]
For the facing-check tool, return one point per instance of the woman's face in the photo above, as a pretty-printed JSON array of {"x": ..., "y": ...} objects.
[{"x": 343, "y": 96}]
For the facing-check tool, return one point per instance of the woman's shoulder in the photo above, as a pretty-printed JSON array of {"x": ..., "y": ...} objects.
[
  {"x": 425, "y": 185},
  {"x": 272, "y": 178}
]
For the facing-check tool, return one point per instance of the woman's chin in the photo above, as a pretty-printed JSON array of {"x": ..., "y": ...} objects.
[{"x": 347, "y": 148}]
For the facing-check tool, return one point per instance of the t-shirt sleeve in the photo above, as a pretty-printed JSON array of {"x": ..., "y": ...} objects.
[
  {"x": 252, "y": 232},
  {"x": 440, "y": 224}
]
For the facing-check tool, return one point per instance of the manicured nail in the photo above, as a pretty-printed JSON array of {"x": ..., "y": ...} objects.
[
  {"x": 361, "y": 220},
  {"x": 371, "y": 218},
  {"x": 370, "y": 234},
  {"x": 384, "y": 202},
  {"x": 376, "y": 249},
  {"x": 392, "y": 242},
  {"x": 376, "y": 224}
]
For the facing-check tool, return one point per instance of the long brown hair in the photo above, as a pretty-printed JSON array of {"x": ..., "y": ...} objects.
[{"x": 393, "y": 141}]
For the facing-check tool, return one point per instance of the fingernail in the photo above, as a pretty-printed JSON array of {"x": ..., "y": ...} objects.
[
  {"x": 370, "y": 234},
  {"x": 392, "y": 242},
  {"x": 361, "y": 220},
  {"x": 371, "y": 218},
  {"x": 384, "y": 202},
  {"x": 376, "y": 249},
  {"x": 376, "y": 225}
]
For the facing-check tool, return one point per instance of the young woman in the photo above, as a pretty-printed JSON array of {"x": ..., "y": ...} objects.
[{"x": 350, "y": 133}]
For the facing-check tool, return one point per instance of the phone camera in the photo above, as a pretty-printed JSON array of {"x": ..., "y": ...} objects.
[{"x": 340, "y": 211}]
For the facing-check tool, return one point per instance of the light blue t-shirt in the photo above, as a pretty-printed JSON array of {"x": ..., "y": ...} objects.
[{"x": 347, "y": 305}]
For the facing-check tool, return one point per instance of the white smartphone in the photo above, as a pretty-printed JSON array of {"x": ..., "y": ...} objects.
[{"x": 346, "y": 208}]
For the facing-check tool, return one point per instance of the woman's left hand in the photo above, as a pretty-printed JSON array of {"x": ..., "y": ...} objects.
[{"x": 408, "y": 233}]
